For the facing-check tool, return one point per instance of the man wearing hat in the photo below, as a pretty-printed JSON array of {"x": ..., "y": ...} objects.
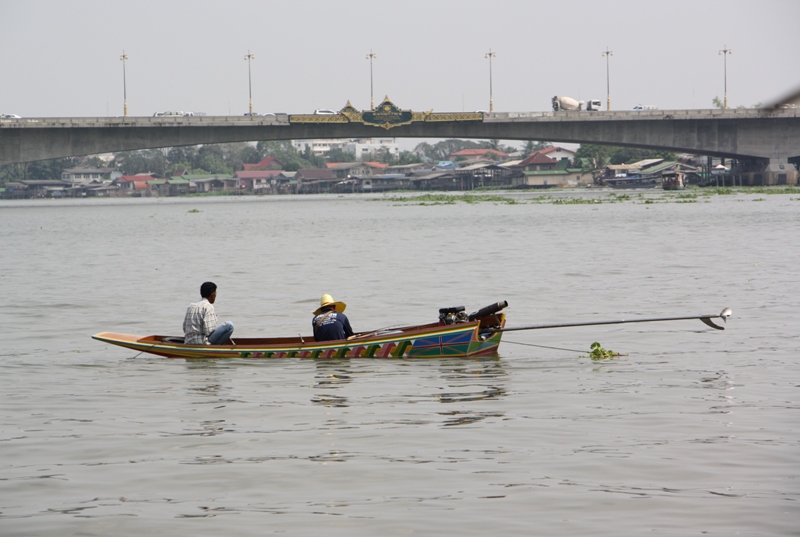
[{"x": 330, "y": 323}]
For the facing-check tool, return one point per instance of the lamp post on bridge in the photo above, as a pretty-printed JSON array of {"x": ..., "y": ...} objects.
[
  {"x": 490, "y": 55},
  {"x": 249, "y": 57},
  {"x": 124, "y": 58},
  {"x": 608, "y": 54},
  {"x": 724, "y": 52},
  {"x": 371, "y": 56}
]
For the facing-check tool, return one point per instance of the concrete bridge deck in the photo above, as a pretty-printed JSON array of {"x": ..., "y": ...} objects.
[{"x": 769, "y": 134}]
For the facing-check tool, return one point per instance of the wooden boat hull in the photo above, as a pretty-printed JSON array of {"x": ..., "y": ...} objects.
[{"x": 425, "y": 341}]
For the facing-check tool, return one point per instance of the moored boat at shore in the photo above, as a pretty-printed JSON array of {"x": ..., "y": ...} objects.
[
  {"x": 673, "y": 180},
  {"x": 633, "y": 181}
]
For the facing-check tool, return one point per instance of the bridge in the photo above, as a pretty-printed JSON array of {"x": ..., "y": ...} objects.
[{"x": 769, "y": 136}]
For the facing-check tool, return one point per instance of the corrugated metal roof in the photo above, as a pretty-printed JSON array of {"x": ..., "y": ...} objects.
[{"x": 546, "y": 172}]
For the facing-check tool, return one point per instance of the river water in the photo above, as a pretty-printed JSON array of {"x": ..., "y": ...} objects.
[{"x": 692, "y": 431}]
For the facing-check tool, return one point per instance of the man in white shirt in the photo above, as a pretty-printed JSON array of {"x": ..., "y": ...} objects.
[{"x": 200, "y": 324}]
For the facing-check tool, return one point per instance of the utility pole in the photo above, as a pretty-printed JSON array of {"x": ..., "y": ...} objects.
[
  {"x": 124, "y": 58},
  {"x": 608, "y": 54},
  {"x": 724, "y": 52},
  {"x": 249, "y": 57},
  {"x": 490, "y": 55},
  {"x": 371, "y": 56}
]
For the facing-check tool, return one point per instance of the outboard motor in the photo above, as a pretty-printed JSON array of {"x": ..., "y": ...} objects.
[
  {"x": 452, "y": 315},
  {"x": 488, "y": 310},
  {"x": 457, "y": 314}
]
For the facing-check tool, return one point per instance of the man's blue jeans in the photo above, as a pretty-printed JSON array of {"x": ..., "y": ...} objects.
[{"x": 221, "y": 334}]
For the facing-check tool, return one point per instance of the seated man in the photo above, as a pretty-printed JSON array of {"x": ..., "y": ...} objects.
[
  {"x": 200, "y": 324},
  {"x": 330, "y": 323}
]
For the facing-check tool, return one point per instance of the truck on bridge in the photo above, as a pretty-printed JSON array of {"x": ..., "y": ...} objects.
[{"x": 568, "y": 103}]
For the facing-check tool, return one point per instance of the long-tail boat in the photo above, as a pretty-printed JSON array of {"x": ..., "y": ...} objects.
[{"x": 455, "y": 335}]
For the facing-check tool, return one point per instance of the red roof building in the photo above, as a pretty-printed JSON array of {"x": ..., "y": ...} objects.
[
  {"x": 257, "y": 180},
  {"x": 558, "y": 153},
  {"x": 474, "y": 154},
  {"x": 537, "y": 161},
  {"x": 135, "y": 182},
  {"x": 267, "y": 163}
]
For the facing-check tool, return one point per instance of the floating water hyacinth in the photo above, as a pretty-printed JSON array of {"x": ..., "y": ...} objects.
[{"x": 599, "y": 353}]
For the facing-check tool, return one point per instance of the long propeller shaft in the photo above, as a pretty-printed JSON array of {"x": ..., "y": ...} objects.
[{"x": 705, "y": 318}]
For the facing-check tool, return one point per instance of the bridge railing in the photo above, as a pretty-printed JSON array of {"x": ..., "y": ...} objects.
[
  {"x": 628, "y": 115},
  {"x": 489, "y": 117},
  {"x": 142, "y": 121}
]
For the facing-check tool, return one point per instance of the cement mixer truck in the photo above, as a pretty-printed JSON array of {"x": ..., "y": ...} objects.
[{"x": 566, "y": 103}]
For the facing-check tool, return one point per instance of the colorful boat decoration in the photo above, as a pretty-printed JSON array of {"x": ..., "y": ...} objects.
[{"x": 456, "y": 335}]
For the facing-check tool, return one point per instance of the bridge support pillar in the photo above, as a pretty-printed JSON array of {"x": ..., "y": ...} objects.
[{"x": 779, "y": 171}]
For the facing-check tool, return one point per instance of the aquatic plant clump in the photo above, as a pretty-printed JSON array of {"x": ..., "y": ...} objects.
[
  {"x": 599, "y": 353},
  {"x": 449, "y": 199}
]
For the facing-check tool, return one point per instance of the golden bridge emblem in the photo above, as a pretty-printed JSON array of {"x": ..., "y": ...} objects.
[{"x": 386, "y": 115}]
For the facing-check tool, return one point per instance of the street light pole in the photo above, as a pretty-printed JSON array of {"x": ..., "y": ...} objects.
[
  {"x": 249, "y": 57},
  {"x": 371, "y": 56},
  {"x": 724, "y": 52},
  {"x": 490, "y": 55},
  {"x": 123, "y": 58},
  {"x": 608, "y": 54}
]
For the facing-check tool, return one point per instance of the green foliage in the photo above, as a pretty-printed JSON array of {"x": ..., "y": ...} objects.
[
  {"x": 442, "y": 150},
  {"x": 770, "y": 190},
  {"x": 598, "y": 155},
  {"x": 96, "y": 162},
  {"x": 13, "y": 172},
  {"x": 248, "y": 154},
  {"x": 292, "y": 159},
  {"x": 448, "y": 199},
  {"x": 144, "y": 161},
  {"x": 381, "y": 154},
  {"x": 337, "y": 154},
  {"x": 211, "y": 158},
  {"x": 183, "y": 157},
  {"x": 577, "y": 201},
  {"x": 214, "y": 159},
  {"x": 598, "y": 353},
  {"x": 532, "y": 146},
  {"x": 39, "y": 170},
  {"x": 717, "y": 102},
  {"x": 601, "y": 156},
  {"x": 406, "y": 157}
]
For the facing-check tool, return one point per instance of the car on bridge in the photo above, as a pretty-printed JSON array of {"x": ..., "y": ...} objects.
[
  {"x": 324, "y": 112},
  {"x": 172, "y": 114},
  {"x": 10, "y": 116},
  {"x": 645, "y": 107}
]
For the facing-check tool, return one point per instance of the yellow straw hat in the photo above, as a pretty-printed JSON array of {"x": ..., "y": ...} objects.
[{"x": 327, "y": 300}]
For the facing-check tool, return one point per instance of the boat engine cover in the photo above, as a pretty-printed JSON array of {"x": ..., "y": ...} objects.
[{"x": 452, "y": 315}]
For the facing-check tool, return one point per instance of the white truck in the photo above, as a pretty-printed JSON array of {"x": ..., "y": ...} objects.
[
  {"x": 566, "y": 103},
  {"x": 594, "y": 105}
]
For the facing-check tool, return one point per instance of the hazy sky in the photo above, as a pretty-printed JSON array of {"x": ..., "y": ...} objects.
[{"x": 61, "y": 57}]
